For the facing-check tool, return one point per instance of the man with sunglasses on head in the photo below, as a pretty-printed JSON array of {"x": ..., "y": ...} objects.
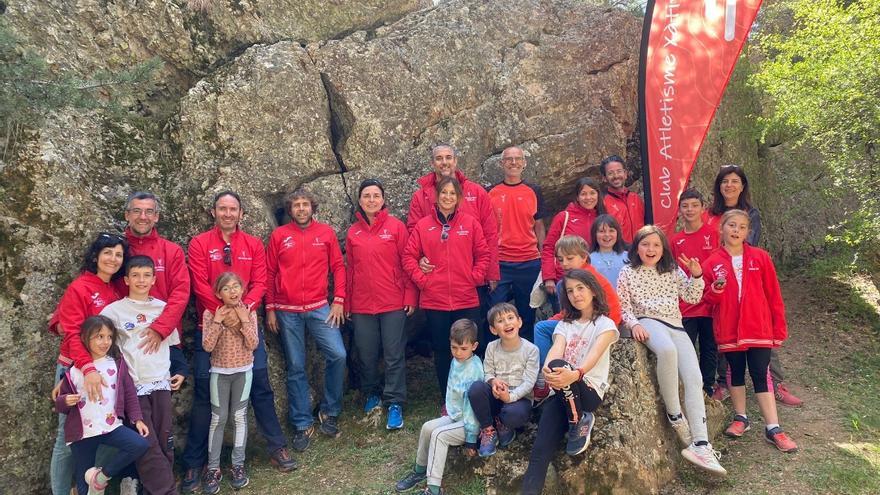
[
  {"x": 227, "y": 248},
  {"x": 624, "y": 205}
]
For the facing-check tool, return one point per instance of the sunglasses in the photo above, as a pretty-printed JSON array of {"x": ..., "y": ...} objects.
[
  {"x": 227, "y": 255},
  {"x": 444, "y": 234},
  {"x": 112, "y": 237}
]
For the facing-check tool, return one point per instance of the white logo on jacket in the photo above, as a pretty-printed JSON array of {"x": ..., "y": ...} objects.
[
  {"x": 318, "y": 242},
  {"x": 707, "y": 239},
  {"x": 97, "y": 301},
  {"x": 244, "y": 256},
  {"x": 461, "y": 230},
  {"x": 288, "y": 242},
  {"x": 753, "y": 267},
  {"x": 385, "y": 235},
  {"x": 719, "y": 271},
  {"x": 470, "y": 197},
  {"x": 215, "y": 255}
]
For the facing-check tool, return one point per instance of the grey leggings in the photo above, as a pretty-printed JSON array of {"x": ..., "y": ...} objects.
[
  {"x": 229, "y": 396},
  {"x": 677, "y": 360}
]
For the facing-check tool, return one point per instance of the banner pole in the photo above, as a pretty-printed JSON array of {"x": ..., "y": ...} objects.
[{"x": 643, "y": 121}]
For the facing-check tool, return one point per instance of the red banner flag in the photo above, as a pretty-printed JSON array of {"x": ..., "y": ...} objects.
[{"x": 689, "y": 49}]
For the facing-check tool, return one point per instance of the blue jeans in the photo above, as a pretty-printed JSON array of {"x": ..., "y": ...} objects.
[
  {"x": 130, "y": 447},
  {"x": 329, "y": 341},
  {"x": 517, "y": 279},
  {"x": 61, "y": 465},
  {"x": 195, "y": 453},
  {"x": 544, "y": 338}
]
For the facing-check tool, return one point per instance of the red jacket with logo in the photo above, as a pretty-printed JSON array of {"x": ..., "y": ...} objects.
[
  {"x": 86, "y": 296},
  {"x": 629, "y": 210},
  {"x": 758, "y": 319},
  {"x": 580, "y": 220},
  {"x": 698, "y": 244},
  {"x": 298, "y": 262},
  {"x": 475, "y": 201},
  {"x": 376, "y": 281},
  {"x": 172, "y": 278},
  {"x": 459, "y": 261},
  {"x": 206, "y": 264}
]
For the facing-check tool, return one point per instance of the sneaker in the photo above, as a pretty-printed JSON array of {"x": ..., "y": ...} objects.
[
  {"x": 704, "y": 457},
  {"x": 373, "y": 402},
  {"x": 721, "y": 393},
  {"x": 411, "y": 480},
  {"x": 282, "y": 461},
  {"x": 239, "y": 477},
  {"x": 738, "y": 427},
  {"x": 91, "y": 477},
  {"x": 682, "y": 429},
  {"x": 302, "y": 439},
  {"x": 191, "y": 480},
  {"x": 395, "y": 417},
  {"x": 506, "y": 435},
  {"x": 785, "y": 396},
  {"x": 128, "y": 486},
  {"x": 780, "y": 440},
  {"x": 579, "y": 434},
  {"x": 329, "y": 425},
  {"x": 488, "y": 441},
  {"x": 211, "y": 481}
]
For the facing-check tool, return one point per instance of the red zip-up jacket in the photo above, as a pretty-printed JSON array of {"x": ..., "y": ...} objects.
[
  {"x": 459, "y": 262},
  {"x": 298, "y": 261},
  {"x": 86, "y": 296},
  {"x": 699, "y": 244},
  {"x": 580, "y": 220},
  {"x": 610, "y": 295},
  {"x": 376, "y": 281},
  {"x": 629, "y": 210},
  {"x": 206, "y": 264},
  {"x": 475, "y": 201},
  {"x": 758, "y": 320},
  {"x": 172, "y": 278}
]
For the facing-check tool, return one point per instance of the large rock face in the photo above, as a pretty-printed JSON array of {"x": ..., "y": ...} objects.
[
  {"x": 633, "y": 448},
  {"x": 266, "y": 118}
]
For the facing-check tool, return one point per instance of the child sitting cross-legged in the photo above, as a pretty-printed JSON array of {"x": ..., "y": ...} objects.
[
  {"x": 577, "y": 369},
  {"x": 503, "y": 402},
  {"x": 459, "y": 426}
]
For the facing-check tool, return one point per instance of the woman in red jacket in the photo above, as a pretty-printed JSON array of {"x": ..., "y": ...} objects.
[
  {"x": 453, "y": 242},
  {"x": 380, "y": 297},
  {"x": 748, "y": 316},
  {"x": 576, "y": 219},
  {"x": 86, "y": 296}
]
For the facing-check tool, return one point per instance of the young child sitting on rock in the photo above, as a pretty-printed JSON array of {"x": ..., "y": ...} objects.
[
  {"x": 460, "y": 425},
  {"x": 577, "y": 369},
  {"x": 503, "y": 402}
]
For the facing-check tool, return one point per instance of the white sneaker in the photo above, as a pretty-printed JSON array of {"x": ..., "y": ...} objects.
[
  {"x": 682, "y": 430},
  {"x": 128, "y": 486},
  {"x": 704, "y": 457}
]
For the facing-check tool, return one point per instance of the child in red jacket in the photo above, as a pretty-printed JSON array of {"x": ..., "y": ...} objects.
[{"x": 749, "y": 320}]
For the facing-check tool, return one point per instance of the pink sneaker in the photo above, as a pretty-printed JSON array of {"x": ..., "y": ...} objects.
[
  {"x": 720, "y": 394},
  {"x": 780, "y": 440},
  {"x": 785, "y": 396},
  {"x": 91, "y": 477},
  {"x": 738, "y": 427}
]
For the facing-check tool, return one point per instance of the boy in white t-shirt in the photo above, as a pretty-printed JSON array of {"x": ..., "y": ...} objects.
[{"x": 150, "y": 372}]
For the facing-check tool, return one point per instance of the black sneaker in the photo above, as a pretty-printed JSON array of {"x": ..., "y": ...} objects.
[
  {"x": 579, "y": 435},
  {"x": 282, "y": 461},
  {"x": 329, "y": 425},
  {"x": 411, "y": 480},
  {"x": 211, "y": 481},
  {"x": 239, "y": 477},
  {"x": 191, "y": 480},
  {"x": 302, "y": 439}
]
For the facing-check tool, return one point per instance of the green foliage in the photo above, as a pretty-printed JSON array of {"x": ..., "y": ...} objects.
[
  {"x": 823, "y": 76},
  {"x": 29, "y": 88}
]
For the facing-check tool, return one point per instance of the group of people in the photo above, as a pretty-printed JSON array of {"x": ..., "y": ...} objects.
[{"x": 463, "y": 253}]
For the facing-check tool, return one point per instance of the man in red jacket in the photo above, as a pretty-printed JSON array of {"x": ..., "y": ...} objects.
[
  {"x": 227, "y": 248},
  {"x": 142, "y": 213},
  {"x": 475, "y": 202},
  {"x": 624, "y": 205},
  {"x": 300, "y": 257}
]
